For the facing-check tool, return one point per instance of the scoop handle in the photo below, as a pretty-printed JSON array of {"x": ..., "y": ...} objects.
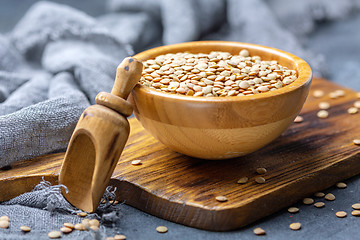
[{"x": 129, "y": 69}]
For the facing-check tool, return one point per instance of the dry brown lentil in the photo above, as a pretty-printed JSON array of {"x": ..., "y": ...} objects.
[
  {"x": 94, "y": 228},
  {"x": 69, "y": 225},
  {"x": 25, "y": 228},
  {"x": 66, "y": 230},
  {"x": 80, "y": 227},
  {"x": 298, "y": 119},
  {"x": 341, "y": 185},
  {"x": 356, "y": 213},
  {"x": 340, "y": 93},
  {"x": 221, "y": 198},
  {"x": 356, "y": 206},
  {"x": 259, "y": 231},
  {"x": 261, "y": 170},
  {"x": 324, "y": 105},
  {"x": 161, "y": 229},
  {"x": 330, "y": 197},
  {"x": 341, "y": 214},
  {"x": 85, "y": 223},
  {"x": 308, "y": 201},
  {"x": 333, "y": 95},
  {"x": 318, "y": 93},
  {"x": 352, "y": 110},
  {"x": 319, "y": 204},
  {"x": 54, "y": 234},
  {"x": 356, "y": 141},
  {"x": 82, "y": 214},
  {"x": 4, "y": 218},
  {"x": 322, "y": 114},
  {"x": 212, "y": 69},
  {"x": 243, "y": 180},
  {"x": 260, "y": 180},
  {"x": 136, "y": 162},
  {"x": 120, "y": 237},
  {"x": 319, "y": 194},
  {"x": 94, "y": 222},
  {"x": 4, "y": 224},
  {"x": 357, "y": 104},
  {"x": 295, "y": 226},
  {"x": 293, "y": 210}
]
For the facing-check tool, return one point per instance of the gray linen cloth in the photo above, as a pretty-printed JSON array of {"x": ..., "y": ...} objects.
[{"x": 56, "y": 59}]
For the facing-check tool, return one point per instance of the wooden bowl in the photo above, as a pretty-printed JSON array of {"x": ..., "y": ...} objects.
[{"x": 221, "y": 127}]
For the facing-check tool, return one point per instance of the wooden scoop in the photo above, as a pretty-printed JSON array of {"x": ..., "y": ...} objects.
[{"x": 98, "y": 140}]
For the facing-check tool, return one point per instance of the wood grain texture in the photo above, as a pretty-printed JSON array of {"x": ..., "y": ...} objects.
[
  {"x": 308, "y": 157},
  {"x": 98, "y": 140},
  {"x": 221, "y": 127}
]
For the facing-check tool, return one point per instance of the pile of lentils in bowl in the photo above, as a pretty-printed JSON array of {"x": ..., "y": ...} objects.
[{"x": 218, "y": 74}]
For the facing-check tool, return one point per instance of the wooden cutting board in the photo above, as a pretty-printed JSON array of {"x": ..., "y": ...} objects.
[{"x": 309, "y": 157}]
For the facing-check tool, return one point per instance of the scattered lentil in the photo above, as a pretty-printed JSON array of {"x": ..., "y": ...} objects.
[
  {"x": 357, "y": 104},
  {"x": 217, "y": 74},
  {"x": 120, "y": 237},
  {"x": 322, "y": 114},
  {"x": 161, "y": 229},
  {"x": 318, "y": 93},
  {"x": 308, "y": 201},
  {"x": 319, "y": 204},
  {"x": 221, "y": 198},
  {"x": 324, "y": 105},
  {"x": 25, "y": 228},
  {"x": 136, "y": 162},
  {"x": 4, "y": 218},
  {"x": 333, "y": 95},
  {"x": 356, "y": 141},
  {"x": 341, "y": 185},
  {"x": 356, "y": 213},
  {"x": 352, "y": 110},
  {"x": 85, "y": 223},
  {"x": 94, "y": 222},
  {"x": 295, "y": 226},
  {"x": 330, "y": 197},
  {"x": 261, "y": 170},
  {"x": 298, "y": 119},
  {"x": 80, "y": 227},
  {"x": 66, "y": 230},
  {"x": 94, "y": 228},
  {"x": 243, "y": 180},
  {"x": 260, "y": 180},
  {"x": 54, "y": 234},
  {"x": 4, "y": 224},
  {"x": 69, "y": 225},
  {"x": 259, "y": 231},
  {"x": 319, "y": 194},
  {"x": 340, "y": 93},
  {"x": 293, "y": 210},
  {"x": 341, "y": 214},
  {"x": 356, "y": 206},
  {"x": 82, "y": 214}
]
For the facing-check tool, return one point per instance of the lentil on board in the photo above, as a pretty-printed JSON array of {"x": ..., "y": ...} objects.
[{"x": 218, "y": 74}]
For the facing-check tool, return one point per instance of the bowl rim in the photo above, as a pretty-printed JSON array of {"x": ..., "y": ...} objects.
[{"x": 302, "y": 67}]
